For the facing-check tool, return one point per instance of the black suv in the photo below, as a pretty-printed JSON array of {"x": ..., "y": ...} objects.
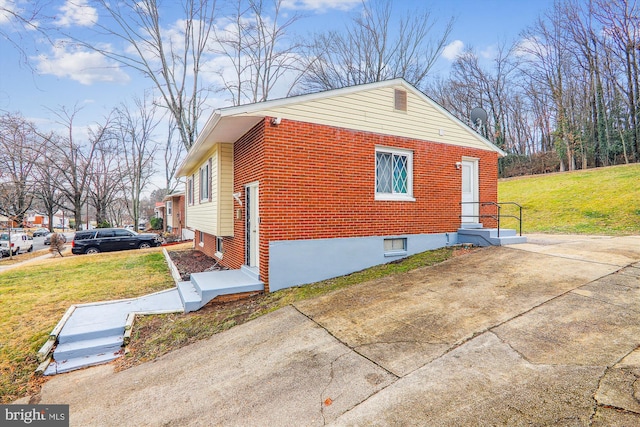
[{"x": 111, "y": 239}]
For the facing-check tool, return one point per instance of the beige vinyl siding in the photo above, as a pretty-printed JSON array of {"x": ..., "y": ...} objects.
[
  {"x": 214, "y": 216},
  {"x": 225, "y": 187},
  {"x": 373, "y": 111}
]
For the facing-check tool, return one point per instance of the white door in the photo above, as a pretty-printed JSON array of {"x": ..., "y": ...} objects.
[
  {"x": 470, "y": 205},
  {"x": 252, "y": 225}
]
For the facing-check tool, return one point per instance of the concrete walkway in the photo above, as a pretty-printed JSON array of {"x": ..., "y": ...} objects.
[
  {"x": 542, "y": 333},
  {"x": 94, "y": 332}
]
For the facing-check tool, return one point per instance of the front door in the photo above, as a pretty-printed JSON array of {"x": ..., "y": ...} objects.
[
  {"x": 470, "y": 205},
  {"x": 252, "y": 225}
]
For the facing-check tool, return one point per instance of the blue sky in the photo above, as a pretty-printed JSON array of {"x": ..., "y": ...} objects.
[{"x": 65, "y": 77}]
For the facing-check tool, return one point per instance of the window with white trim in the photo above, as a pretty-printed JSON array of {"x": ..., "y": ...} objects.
[
  {"x": 190, "y": 190},
  {"x": 205, "y": 173},
  {"x": 394, "y": 174},
  {"x": 169, "y": 206}
]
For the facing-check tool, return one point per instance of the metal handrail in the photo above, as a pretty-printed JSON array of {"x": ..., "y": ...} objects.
[{"x": 499, "y": 215}]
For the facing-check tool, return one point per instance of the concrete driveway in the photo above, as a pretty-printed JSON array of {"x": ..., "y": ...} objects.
[{"x": 543, "y": 333}]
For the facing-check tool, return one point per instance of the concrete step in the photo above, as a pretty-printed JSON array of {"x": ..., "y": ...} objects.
[
  {"x": 91, "y": 347},
  {"x": 210, "y": 284},
  {"x": 106, "y": 329},
  {"x": 471, "y": 225},
  {"x": 59, "y": 367},
  {"x": 489, "y": 237},
  {"x": 510, "y": 240},
  {"x": 191, "y": 298}
]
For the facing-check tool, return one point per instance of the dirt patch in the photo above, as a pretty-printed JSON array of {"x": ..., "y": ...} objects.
[{"x": 191, "y": 261}]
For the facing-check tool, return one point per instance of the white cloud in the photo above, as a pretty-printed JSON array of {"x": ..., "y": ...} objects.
[
  {"x": 530, "y": 47},
  {"x": 321, "y": 5},
  {"x": 453, "y": 50},
  {"x": 7, "y": 9},
  {"x": 78, "y": 13},
  {"x": 86, "y": 67},
  {"x": 490, "y": 52}
]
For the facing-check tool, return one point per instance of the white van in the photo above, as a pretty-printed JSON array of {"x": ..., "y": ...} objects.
[{"x": 20, "y": 242}]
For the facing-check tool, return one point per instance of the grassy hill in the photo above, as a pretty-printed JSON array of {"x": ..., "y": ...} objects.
[{"x": 595, "y": 201}]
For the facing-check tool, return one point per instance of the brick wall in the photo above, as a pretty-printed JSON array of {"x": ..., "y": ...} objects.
[
  {"x": 324, "y": 186},
  {"x": 319, "y": 182},
  {"x": 178, "y": 215}
]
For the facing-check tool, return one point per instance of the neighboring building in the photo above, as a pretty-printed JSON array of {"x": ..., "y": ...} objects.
[
  {"x": 320, "y": 185},
  {"x": 34, "y": 219},
  {"x": 159, "y": 210},
  {"x": 5, "y": 222},
  {"x": 174, "y": 214}
]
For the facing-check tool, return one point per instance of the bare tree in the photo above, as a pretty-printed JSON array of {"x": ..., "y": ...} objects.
[
  {"x": 622, "y": 26},
  {"x": 549, "y": 65},
  {"x": 374, "y": 48},
  {"x": 75, "y": 160},
  {"x": 254, "y": 41},
  {"x": 105, "y": 178},
  {"x": 172, "y": 60},
  {"x": 20, "y": 20},
  {"x": 135, "y": 132},
  {"x": 18, "y": 155},
  {"x": 48, "y": 177},
  {"x": 172, "y": 158}
]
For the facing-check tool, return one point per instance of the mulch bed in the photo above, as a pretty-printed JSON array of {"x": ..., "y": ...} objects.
[{"x": 190, "y": 261}]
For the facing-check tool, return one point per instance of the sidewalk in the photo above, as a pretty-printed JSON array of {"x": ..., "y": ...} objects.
[{"x": 4, "y": 268}]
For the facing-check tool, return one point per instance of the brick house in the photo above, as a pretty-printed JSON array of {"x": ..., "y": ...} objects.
[
  {"x": 174, "y": 214},
  {"x": 320, "y": 185}
]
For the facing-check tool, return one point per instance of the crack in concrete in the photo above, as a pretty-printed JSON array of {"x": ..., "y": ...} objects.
[
  {"x": 596, "y": 404},
  {"x": 592, "y": 298},
  {"x": 344, "y": 343},
  {"x": 522, "y": 356},
  {"x": 594, "y": 408},
  {"x": 326, "y": 387}
]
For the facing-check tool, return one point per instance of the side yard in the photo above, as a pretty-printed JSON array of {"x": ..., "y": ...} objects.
[
  {"x": 35, "y": 296},
  {"x": 156, "y": 335}
]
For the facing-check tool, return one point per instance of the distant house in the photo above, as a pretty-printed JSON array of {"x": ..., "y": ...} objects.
[
  {"x": 174, "y": 214},
  {"x": 320, "y": 185},
  {"x": 159, "y": 210}
]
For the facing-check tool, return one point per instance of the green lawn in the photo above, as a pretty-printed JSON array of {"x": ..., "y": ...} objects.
[
  {"x": 595, "y": 201},
  {"x": 35, "y": 296}
]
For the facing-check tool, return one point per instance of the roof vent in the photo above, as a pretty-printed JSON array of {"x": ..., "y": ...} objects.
[{"x": 400, "y": 100}]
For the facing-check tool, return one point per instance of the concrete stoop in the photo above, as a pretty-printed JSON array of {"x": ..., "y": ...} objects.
[
  {"x": 489, "y": 236},
  {"x": 203, "y": 287}
]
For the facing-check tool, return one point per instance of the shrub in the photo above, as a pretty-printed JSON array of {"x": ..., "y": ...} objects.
[
  {"x": 57, "y": 243},
  {"x": 156, "y": 223}
]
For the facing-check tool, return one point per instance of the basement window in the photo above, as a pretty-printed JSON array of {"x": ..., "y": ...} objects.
[
  {"x": 219, "y": 247},
  {"x": 395, "y": 246}
]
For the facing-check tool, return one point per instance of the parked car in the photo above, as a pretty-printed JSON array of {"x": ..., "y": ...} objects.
[
  {"x": 40, "y": 232},
  {"x": 112, "y": 239},
  {"x": 47, "y": 238},
  {"x": 20, "y": 242}
]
